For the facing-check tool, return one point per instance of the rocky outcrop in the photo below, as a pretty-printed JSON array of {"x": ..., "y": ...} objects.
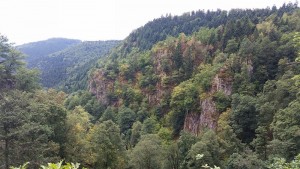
[
  {"x": 195, "y": 122},
  {"x": 98, "y": 85},
  {"x": 222, "y": 82},
  {"x": 107, "y": 86}
]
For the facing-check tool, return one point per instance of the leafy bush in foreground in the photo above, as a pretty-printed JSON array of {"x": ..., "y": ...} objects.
[{"x": 59, "y": 165}]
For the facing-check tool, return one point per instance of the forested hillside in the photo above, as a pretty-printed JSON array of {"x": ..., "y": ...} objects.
[
  {"x": 159, "y": 29},
  {"x": 36, "y": 51},
  {"x": 215, "y": 88},
  {"x": 79, "y": 60},
  {"x": 68, "y": 68},
  {"x": 232, "y": 84}
]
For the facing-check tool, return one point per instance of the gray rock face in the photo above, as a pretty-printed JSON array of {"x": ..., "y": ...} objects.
[{"x": 195, "y": 122}]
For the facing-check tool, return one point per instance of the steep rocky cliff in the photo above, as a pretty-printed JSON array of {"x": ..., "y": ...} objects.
[
  {"x": 109, "y": 90},
  {"x": 100, "y": 86},
  {"x": 167, "y": 76},
  {"x": 195, "y": 122}
]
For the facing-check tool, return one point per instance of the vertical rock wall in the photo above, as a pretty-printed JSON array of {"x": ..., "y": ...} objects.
[
  {"x": 195, "y": 122},
  {"x": 99, "y": 86}
]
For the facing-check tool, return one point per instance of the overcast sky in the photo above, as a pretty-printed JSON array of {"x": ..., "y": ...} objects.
[{"x": 25, "y": 21}]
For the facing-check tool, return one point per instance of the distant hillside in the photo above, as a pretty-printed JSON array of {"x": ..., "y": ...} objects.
[
  {"x": 78, "y": 60},
  {"x": 69, "y": 66},
  {"x": 40, "y": 49}
]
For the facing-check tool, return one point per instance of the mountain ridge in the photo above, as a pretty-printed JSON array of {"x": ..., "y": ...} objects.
[
  {"x": 42, "y": 48},
  {"x": 59, "y": 63}
]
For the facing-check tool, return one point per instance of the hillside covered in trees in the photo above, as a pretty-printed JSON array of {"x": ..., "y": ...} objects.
[
  {"x": 215, "y": 88},
  {"x": 65, "y": 63},
  {"x": 36, "y": 51}
]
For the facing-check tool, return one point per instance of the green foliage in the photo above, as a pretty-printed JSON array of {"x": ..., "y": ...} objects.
[
  {"x": 76, "y": 146},
  {"x": 27, "y": 80},
  {"x": 165, "y": 134},
  {"x": 110, "y": 113},
  {"x": 24, "y": 166},
  {"x": 107, "y": 148},
  {"x": 245, "y": 160},
  {"x": 59, "y": 165},
  {"x": 185, "y": 142},
  {"x": 172, "y": 156},
  {"x": 126, "y": 119},
  {"x": 222, "y": 101},
  {"x": 208, "y": 145},
  {"x": 228, "y": 141},
  {"x": 243, "y": 117},
  {"x": 280, "y": 163},
  {"x": 206, "y": 36},
  {"x": 10, "y": 62},
  {"x": 184, "y": 96},
  {"x": 205, "y": 76},
  {"x": 147, "y": 153},
  {"x": 33, "y": 127},
  {"x": 87, "y": 100},
  {"x": 246, "y": 49},
  {"x": 142, "y": 114},
  {"x": 297, "y": 44},
  {"x": 242, "y": 81},
  {"x": 267, "y": 55},
  {"x": 277, "y": 95},
  {"x": 286, "y": 127},
  {"x": 150, "y": 126},
  {"x": 54, "y": 114},
  {"x": 232, "y": 46},
  {"x": 241, "y": 24},
  {"x": 135, "y": 133},
  {"x": 177, "y": 56},
  {"x": 184, "y": 99},
  {"x": 129, "y": 95}
]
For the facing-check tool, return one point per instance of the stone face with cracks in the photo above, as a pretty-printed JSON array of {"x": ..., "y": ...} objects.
[
  {"x": 196, "y": 122},
  {"x": 99, "y": 86}
]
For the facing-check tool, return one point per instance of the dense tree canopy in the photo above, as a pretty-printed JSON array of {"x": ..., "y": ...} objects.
[{"x": 202, "y": 89}]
